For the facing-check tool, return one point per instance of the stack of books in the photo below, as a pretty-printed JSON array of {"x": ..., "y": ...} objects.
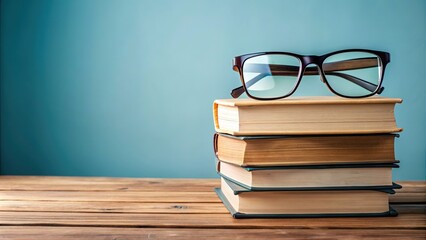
[{"x": 306, "y": 157}]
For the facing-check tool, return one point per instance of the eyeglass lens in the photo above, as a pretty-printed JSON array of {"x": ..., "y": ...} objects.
[
  {"x": 271, "y": 75},
  {"x": 353, "y": 73}
]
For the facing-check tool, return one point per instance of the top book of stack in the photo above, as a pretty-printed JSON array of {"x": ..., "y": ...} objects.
[{"x": 306, "y": 116}]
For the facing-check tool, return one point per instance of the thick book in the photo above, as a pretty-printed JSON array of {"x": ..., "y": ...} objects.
[
  {"x": 308, "y": 203},
  {"x": 367, "y": 176},
  {"x": 306, "y": 115},
  {"x": 279, "y": 150}
]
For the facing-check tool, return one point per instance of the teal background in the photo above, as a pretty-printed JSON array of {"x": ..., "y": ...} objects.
[{"x": 125, "y": 88}]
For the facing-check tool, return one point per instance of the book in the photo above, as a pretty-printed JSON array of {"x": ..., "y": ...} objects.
[
  {"x": 367, "y": 176},
  {"x": 274, "y": 150},
  {"x": 321, "y": 203},
  {"x": 305, "y": 115}
]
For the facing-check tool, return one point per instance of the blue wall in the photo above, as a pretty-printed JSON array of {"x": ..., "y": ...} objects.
[{"x": 125, "y": 88}]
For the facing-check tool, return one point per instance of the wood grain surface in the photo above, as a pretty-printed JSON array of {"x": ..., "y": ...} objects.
[{"x": 130, "y": 208}]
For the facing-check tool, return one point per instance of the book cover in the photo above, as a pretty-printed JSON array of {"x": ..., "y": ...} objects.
[
  {"x": 239, "y": 215},
  {"x": 260, "y": 205}
]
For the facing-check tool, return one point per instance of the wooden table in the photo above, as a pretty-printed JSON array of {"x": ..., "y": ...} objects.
[{"x": 125, "y": 208}]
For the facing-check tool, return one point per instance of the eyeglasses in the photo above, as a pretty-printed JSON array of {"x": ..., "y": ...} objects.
[{"x": 353, "y": 73}]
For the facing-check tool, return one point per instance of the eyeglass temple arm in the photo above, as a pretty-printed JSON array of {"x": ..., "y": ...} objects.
[
  {"x": 327, "y": 67},
  {"x": 358, "y": 81},
  {"x": 353, "y": 64},
  {"x": 236, "y": 92}
]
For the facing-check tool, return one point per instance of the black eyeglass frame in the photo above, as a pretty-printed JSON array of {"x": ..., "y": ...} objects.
[{"x": 305, "y": 60}]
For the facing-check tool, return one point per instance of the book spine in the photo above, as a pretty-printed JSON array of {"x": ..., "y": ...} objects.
[{"x": 215, "y": 117}]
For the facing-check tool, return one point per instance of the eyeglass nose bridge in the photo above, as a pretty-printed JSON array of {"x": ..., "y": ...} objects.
[
  {"x": 313, "y": 70},
  {"x": 312, "y": 59}
]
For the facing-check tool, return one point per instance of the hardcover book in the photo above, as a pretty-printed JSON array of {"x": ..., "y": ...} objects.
[
  {"x": 273, "y": 150},
  {"x": 371, "y": 176},
  {"x": 309, "y": 203},
  {"x": 306, "y": 115}
]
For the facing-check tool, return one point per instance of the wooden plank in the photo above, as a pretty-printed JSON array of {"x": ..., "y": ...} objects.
[
  {"x": 111, "y": 207},
  {"x": 94, "y": 233},
  {"x": 412, "y": 186},
  {"x": 410, "y": 208},
  {"x": 403, "y": 221},
  {"x": 112, "y": 196},
  {"x": 130, "y": 207},
  {"x": 174, "y": 189},
  {"x": 411, "y": 192},
  {"x": 52, "y": 183},
  {"x": 150, "y": 196},
  {"x": 405, "y": 197},
  {"x": 82, "y": 184},
  {"x": 159, "y": 196}
]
